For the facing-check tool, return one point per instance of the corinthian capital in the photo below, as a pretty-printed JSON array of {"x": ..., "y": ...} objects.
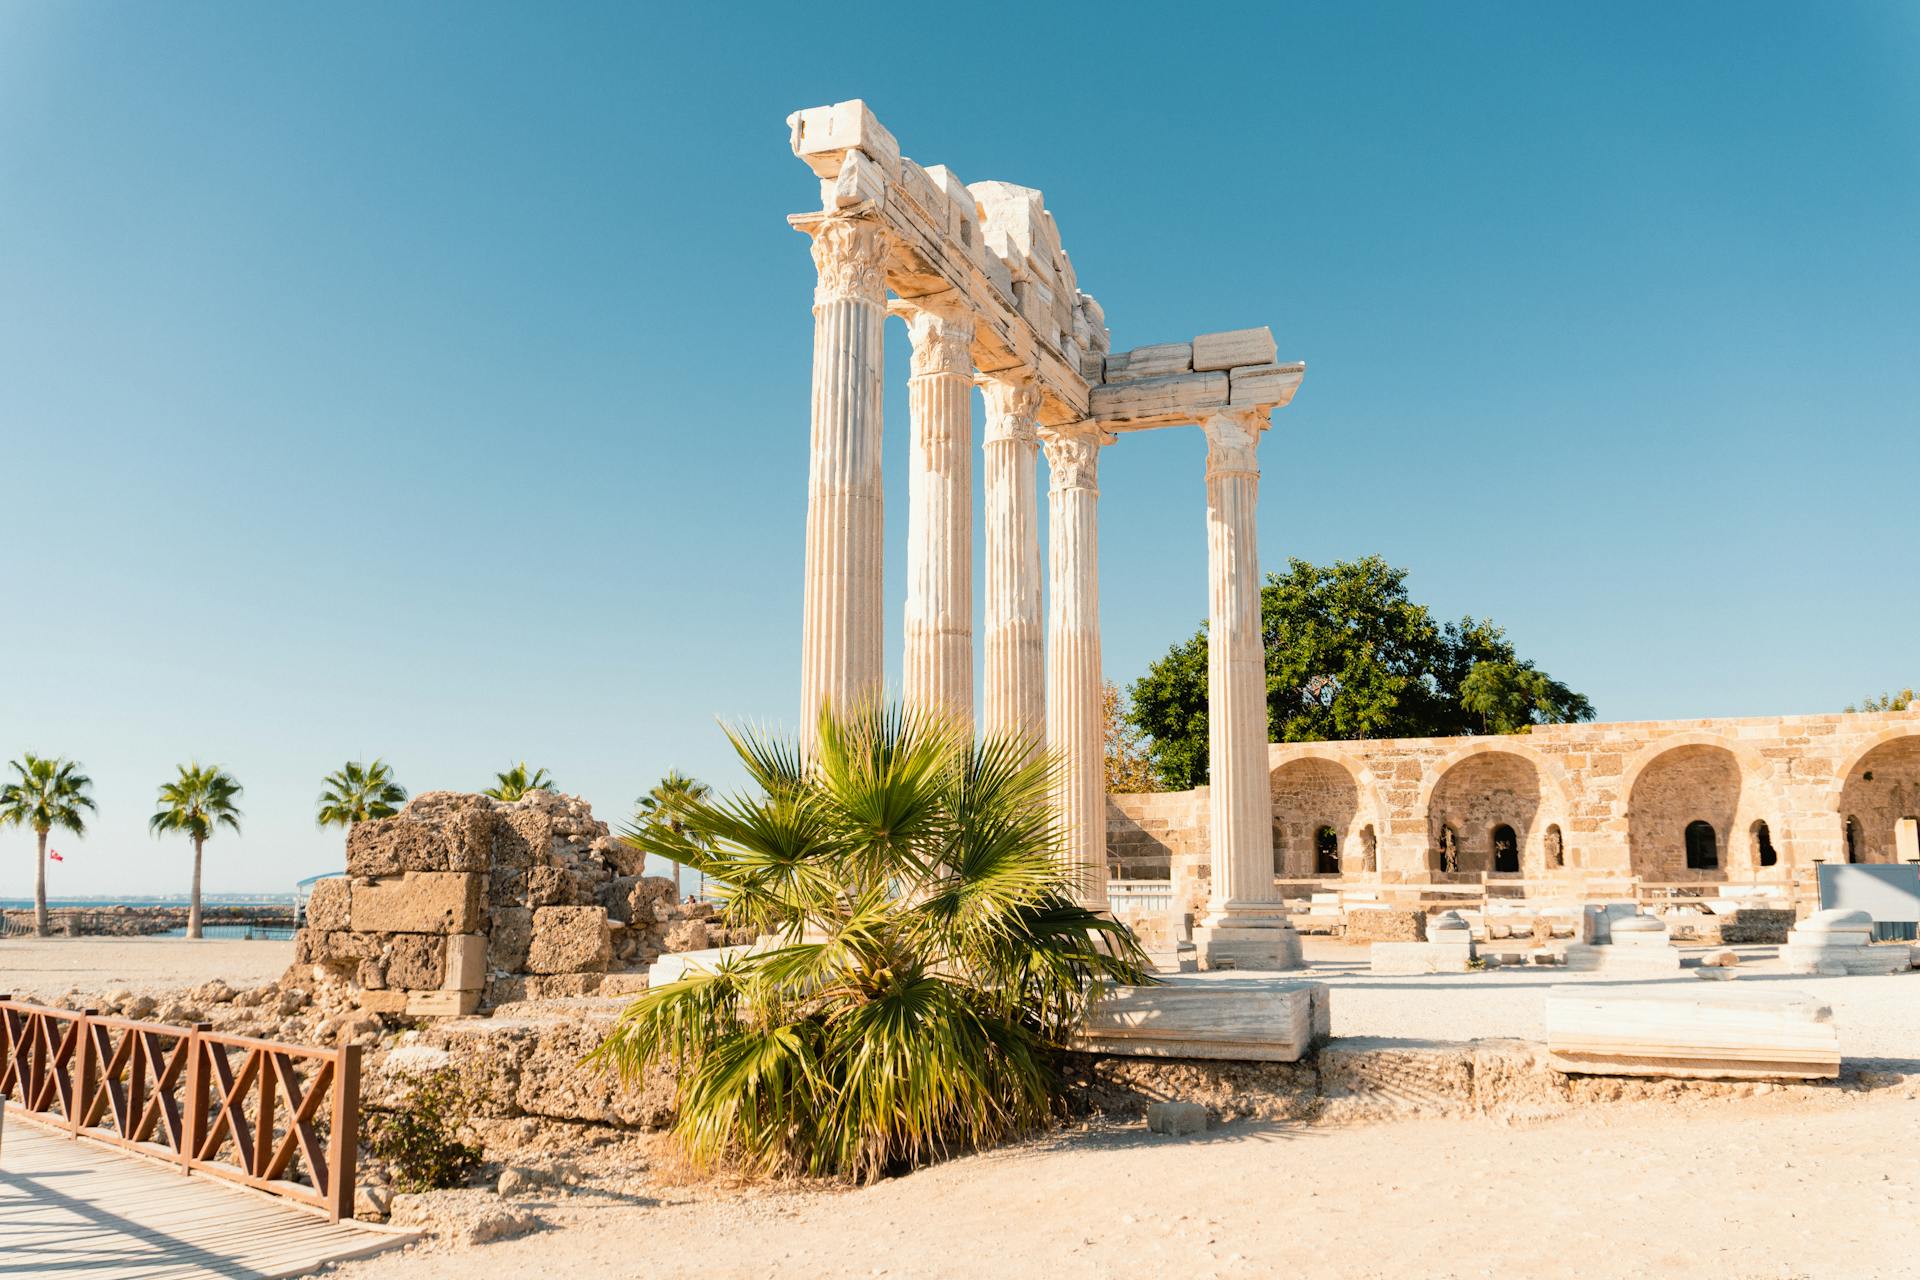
[
  {"x": 941, "y": 326},
  {"x": 849, "y": 254},
  {"x": 1013, "y": 397},
  {"x": 1232, "y": 437},
  {"x": 1073, "y": 456}
]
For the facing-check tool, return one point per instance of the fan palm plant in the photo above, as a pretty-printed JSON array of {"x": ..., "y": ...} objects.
[
  {"x": 46, "y": 792},
  {"x": 356, "y": 792},
  {"x": 197, "y": 803},
  {"x": 926, "y": 961},
  {"x": 666, "y": 802},
  {"x": 517, "y": 781}
]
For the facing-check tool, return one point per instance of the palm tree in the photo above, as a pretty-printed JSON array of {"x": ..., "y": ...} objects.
[
  {"x": 516, "y": 782},
  {"x": 666, "y": 802},
  {"x": 356, "y": 792},
  {"x": 927, "y": 961},
  {"x": 47, "y": 792},
  {"x": 197, "y": 802}
]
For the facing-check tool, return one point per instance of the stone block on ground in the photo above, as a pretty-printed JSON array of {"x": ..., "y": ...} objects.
[
  {"x": 1715, "y": 1033},
  {"x": 1836, "y": 942},
  {"x": 1241, "y": 1019},
  {"x": 678, "y": 964},
  {"x": 1176, "y": 1118}
]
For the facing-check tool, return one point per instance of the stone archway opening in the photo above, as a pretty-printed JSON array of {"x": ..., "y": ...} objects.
[
  {"x": 1312, "y": 797},
  {"x": 1487, "y": 807},
  {"x": 1881, "y": 789},
  {"x": 1703, "y": 846},
  {"x": 1682, "y": 803}
]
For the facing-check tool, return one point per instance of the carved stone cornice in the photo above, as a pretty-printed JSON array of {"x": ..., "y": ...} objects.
[
  {"x": 941, "y": 327},
  {"x": 1232, "y": 439},
  {"x": 1013, "y": 398},
  {"x": 850, "y": 255},
  {"x": 1073, "y": 457}
]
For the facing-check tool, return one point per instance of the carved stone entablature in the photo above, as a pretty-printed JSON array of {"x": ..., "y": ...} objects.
[
  {"x": 1232, "y": 439},
  {"x": 1012, "y": 400},
  {"x": 850, "y": 256},
  {"x": 1073, "y": 456}
]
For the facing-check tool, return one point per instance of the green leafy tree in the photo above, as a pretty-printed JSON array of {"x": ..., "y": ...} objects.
[
  {"x": 196, "y": 804},
  {"x": 666, "y": 803},
  {"x": 46, "y": 792},
  {"x": 927, "y": 961},
  {"x": 1885, "y": 702},
  {"x": 517, "y": 781},
  {"x": 1350, "y": 655},
  {"x": 356, "y": 792},
  {"x": 1129, "y": 767}
]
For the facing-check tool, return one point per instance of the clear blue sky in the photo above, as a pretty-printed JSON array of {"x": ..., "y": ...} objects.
[{"x": 431, "y": 380}]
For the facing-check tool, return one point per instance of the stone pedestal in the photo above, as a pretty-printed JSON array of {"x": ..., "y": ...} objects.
[
  {"x": 1246, "y": 925},
  {"x": 1837, "y": 943},
  {"x": 840, "y": 650},
  {"x": 1640, "y": 948}
]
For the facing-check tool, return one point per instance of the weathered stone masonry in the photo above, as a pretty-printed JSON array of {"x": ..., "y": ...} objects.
[{"x": 1776, "y": 794}]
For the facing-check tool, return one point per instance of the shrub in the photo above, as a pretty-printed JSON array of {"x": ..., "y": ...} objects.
[{"x": 423, "y": 1140}]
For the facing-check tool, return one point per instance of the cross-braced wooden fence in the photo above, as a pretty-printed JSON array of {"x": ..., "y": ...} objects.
[{"x": 281, "y": 1118}]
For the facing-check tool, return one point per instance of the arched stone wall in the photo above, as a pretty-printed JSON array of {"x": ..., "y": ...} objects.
[
  {"x": 1310, "y": 793},
  {"x": 1878, "y": 802},
  {"x": 1483, "y": 791},
  {"x": 1698, "y": 782}
]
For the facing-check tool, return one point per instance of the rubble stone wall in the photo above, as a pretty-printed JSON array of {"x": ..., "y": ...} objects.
[{"x": 461, "y": 900}]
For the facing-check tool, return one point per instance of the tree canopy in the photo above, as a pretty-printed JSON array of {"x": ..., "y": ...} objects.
[
  {"x": 1351, "y": 655},
  {"x": 517, "y": 781},
  {"x": 359, "y": 792},
  {"x": 1889, "y": 701}
]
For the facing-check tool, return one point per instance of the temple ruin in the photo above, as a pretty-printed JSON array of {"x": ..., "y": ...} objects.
[{"x": 978, "y": 273}]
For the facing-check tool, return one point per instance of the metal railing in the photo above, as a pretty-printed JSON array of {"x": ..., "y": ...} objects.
[{"x": 280, "y": 1118}]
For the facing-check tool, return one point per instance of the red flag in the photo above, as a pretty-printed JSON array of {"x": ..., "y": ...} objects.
[{"x": 55, "y": 855}]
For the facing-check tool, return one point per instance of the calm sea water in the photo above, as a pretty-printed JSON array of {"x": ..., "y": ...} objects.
[{"x": 105, "y": 904}]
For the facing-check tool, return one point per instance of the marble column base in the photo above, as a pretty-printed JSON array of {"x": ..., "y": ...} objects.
[{"x": 1254, "y": 937}]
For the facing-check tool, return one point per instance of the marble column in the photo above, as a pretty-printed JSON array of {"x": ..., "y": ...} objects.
[
  {"x": 937, "y": 671},
  {"x": 1014, "y": 699},
  {"x": 840, "y": 649},
  {"x": 1246, "y": 925},
  {"x": 1074, "y": 730}
]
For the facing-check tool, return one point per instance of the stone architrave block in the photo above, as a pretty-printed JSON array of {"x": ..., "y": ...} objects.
[
  {"x": 1713, "y": 1033},
  {"x": 466, "y": 967},
  {"x": 1266, "y": 385},
  {"x": 419, "y": 902},
  {"x": 858, "y": 181},
  {"x": 1159, "y": 361},
  {"x": 327, "y": 904},
  {"x": 822, "y": 135},
  {"x": 570, "y": 940},
  {"x": 1233, "y": 348},
  {"x": 1238, "y": 1019},
  {"x": 417, "y": 961},
  {"x": 1184, "y": 397}
]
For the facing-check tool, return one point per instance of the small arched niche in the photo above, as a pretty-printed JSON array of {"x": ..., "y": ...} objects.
[
  {"x": 1764, "y": 854},
  {"x": 1556, "y": 847},
  {"x": 1506, "y": 850},
  {"x": 1703, "y": 846},
  {"x": 1326, "y": 852}
]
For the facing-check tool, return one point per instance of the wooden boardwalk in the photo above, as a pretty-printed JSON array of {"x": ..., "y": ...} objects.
[{"x": 77, "y": 1209}]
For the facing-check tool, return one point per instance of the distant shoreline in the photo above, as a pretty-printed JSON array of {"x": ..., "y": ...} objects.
[{"x": 105, "y": 902}]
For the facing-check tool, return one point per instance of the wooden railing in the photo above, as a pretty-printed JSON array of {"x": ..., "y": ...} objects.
[
  {"x": 1472, "y": 891},
  {"x": 281, "y": 1118}
]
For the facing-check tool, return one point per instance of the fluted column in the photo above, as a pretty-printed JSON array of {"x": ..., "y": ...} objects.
[
  {"x": 937, "y": 671},
  {"x": 841, "y": 660},
  {"x": 1014, "y": 700},
  {"x": 1246, "y": 926},
  {"x": 1074, "y": 731}
]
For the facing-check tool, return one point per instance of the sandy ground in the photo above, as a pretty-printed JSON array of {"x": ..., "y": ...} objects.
[
  {"x": 1733, "y": 1192},
  {"x": 47, "y": 967}
]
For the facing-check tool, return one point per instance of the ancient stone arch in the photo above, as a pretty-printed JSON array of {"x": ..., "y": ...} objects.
[
  {"x": 1487, "y": 793},
  {"x": 1309, "y": 792},
  {"x": 1683, "y": 784},
  {"x": 1878, "y": 803}
]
